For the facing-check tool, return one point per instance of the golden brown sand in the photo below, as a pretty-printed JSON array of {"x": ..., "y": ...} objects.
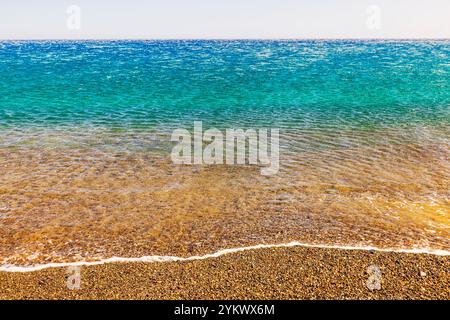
[
  {"x": 279, "y": 273},
  {"x": 70, "y": 205}
]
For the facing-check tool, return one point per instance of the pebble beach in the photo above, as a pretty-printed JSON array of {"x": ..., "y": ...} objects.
[{"x": 271, "y": 273}]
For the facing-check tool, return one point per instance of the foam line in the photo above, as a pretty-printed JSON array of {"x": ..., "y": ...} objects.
[{"x": 14, "y": 268}]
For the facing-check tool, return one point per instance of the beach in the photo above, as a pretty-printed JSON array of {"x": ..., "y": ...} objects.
[
  {"x": 270, "y": 273},
  {"x": 88, "y": 133}
]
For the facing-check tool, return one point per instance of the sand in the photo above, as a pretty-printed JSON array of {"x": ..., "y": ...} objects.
[
  {"x": 67, "y": 204},
  {"x": 271, "y": 273}
]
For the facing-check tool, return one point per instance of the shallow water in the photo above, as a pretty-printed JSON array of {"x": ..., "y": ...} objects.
[{"x": 85, "y": 146}]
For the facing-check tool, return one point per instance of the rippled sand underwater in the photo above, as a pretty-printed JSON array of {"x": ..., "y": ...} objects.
[
  {"x": 85, "y": 147},
  {"x": 67, "y": 203}
]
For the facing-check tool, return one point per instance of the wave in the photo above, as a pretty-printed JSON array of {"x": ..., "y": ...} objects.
[{"x": 161, "y": 259}]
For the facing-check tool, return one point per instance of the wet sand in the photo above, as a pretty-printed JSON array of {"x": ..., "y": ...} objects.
[
  {"x": 271, "y": 273},
  {"x": 67, "y": 205}
]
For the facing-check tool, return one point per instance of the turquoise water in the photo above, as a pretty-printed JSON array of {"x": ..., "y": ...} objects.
[{"x": 165, "y": 84}]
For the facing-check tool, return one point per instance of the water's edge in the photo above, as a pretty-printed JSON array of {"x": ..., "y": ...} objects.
[{"x": 148, "y": 259}]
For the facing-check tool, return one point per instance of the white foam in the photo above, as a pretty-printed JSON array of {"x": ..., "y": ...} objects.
[{"x": 14, "y": 268}]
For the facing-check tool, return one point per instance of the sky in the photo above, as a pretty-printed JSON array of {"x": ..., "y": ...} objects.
[{"x": 223, "y": 19}]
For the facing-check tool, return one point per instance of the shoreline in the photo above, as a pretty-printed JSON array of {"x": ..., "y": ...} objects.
[
  {"x": 171, "y": 258},
  {"x": 266, "y": 273}
]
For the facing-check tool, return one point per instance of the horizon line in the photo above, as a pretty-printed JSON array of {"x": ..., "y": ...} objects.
[{"x": 221, "y": 39}]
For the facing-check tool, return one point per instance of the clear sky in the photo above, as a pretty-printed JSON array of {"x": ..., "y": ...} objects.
[{"x": 218, "y": 19}]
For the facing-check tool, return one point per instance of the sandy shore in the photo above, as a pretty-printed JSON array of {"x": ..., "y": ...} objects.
[{"x": 278, "y": 273}]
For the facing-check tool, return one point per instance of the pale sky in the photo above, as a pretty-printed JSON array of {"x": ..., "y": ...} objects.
[{"x": 224, "y": 19}]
